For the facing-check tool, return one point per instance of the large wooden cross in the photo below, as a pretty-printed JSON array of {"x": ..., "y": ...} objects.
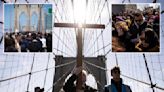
[{"x": 79, "y": 43}]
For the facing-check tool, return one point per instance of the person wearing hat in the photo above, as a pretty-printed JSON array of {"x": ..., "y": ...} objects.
[{"x": 117, "y": 82}]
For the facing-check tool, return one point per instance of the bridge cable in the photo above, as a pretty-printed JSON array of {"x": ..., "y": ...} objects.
[
  {"x": 30, "y": 72},
  {"x": 147, "y": 68}
]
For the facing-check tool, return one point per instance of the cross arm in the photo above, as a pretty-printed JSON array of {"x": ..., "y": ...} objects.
[{"x": 76, "y": 25}]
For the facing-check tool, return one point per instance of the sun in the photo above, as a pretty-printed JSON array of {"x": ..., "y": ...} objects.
[{"x": 80, "y": 11}]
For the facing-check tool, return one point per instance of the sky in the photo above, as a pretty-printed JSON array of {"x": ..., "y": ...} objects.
[{"x": 131, "y": 65}]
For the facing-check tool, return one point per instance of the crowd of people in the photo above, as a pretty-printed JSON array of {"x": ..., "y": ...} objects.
[
  {"x": 28, "y": 42},
  {"x": 136, "y": 30}
]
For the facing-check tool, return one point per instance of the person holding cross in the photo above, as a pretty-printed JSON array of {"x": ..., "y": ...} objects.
[{"x": 70, "y": 86}]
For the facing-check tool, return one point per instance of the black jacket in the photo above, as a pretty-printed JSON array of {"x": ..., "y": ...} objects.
[{"x": 70, "y": 86}]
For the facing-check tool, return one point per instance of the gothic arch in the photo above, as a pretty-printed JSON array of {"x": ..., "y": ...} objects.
[
  {"x": 28, "y": 9},
  {"x": 34, "y": 21},
  {"x": 23, "y": 22}
]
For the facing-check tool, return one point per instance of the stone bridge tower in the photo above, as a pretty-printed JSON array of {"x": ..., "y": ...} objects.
[
  {"x": 28, "y": 10},
  {"x": 93, "y": 65}
]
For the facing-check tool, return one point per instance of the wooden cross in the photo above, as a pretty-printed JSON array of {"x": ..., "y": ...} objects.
[{"x": 79, "y": 43}]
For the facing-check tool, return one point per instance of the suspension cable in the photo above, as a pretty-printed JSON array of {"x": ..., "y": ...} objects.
[
  {"x": 61, "y": 65},
  {"x": 149, "y": 84},
  {"x": 161, "y": 68},
  {"x": 101, "y": 49},
  {"x": 142, "y": 82},
  {"x": 4, "y": 67},
  {"x": 30, "y": 72},
  {"x": 61, "y": 52},
  {"x": 152, "y": 85},
  {"x": 46, "y": 70},
  {"x": 63, "y": 42},
  {"x": 1, "y": 39},
  {"x": 3, "y": 80},
  {"x": 97, "y": 20},
  {"x": 94, "y": 75},
  {"x": 116, "y": 59},
  {"x": 96, "y": 66},
  {"x": 65, "y": 74}
]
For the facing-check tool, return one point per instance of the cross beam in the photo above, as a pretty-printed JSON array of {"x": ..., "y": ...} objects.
[
  {"x": 79, "y": 43},
  {"x": 76, "y": 25}
]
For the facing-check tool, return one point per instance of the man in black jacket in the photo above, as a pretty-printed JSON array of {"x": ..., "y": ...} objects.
[
  {"x": 71, "y": 87},
  {"x": 136, "y": 29}
]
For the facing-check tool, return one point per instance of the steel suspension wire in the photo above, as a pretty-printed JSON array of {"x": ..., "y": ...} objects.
[
  {"x": 73, "y": 8},
  {"x": 116, "y": 59},
  {"x": 30, "y": 73},
  {"x": 62, "y": 42},
  {"x": 46, "y": 70},
  {"x": 142, "y": 82},
  {"x": 58, "y": 41},
  {"x": 149, "y": 84},
  {"x": 58, "y": 80},
  {"x": 103, "y": 43},
  {"x": 86, "y": 10},
  {"x": 61, "y": 52},
  {"x": 102, "y": 48},
  {"x": 65, "y": 41},
  {"x": 102, "y": 36},
  {"x": 102, "y": 9},
  {"x": 94, "y": 19},
  {"x": 71, "y": 40},
  {"x": 141, "y": 67},
  {"x": 57, "y": 9},
  {"x": 102, "y": 30},
  {"x": 1, "y": 39},
  {"x": 3, "y": 80},
  {"x": 108, "y": 52},
  {"x": 161, "y": 68},
  {"x": 136, "y": 67},
  {"x": 94, "y": 42},
  {"x": 2, "y": 74},
  {"x": 102, "y": 68},
  {"x": 61, "y": 65},
  {"x": 93, "y": 75},
  {"x": 151, "y": 61},
  {"x": 89, "y": 32},
  {"x": 147, "y": 68},
  {"x": 10, "y": 72}
]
